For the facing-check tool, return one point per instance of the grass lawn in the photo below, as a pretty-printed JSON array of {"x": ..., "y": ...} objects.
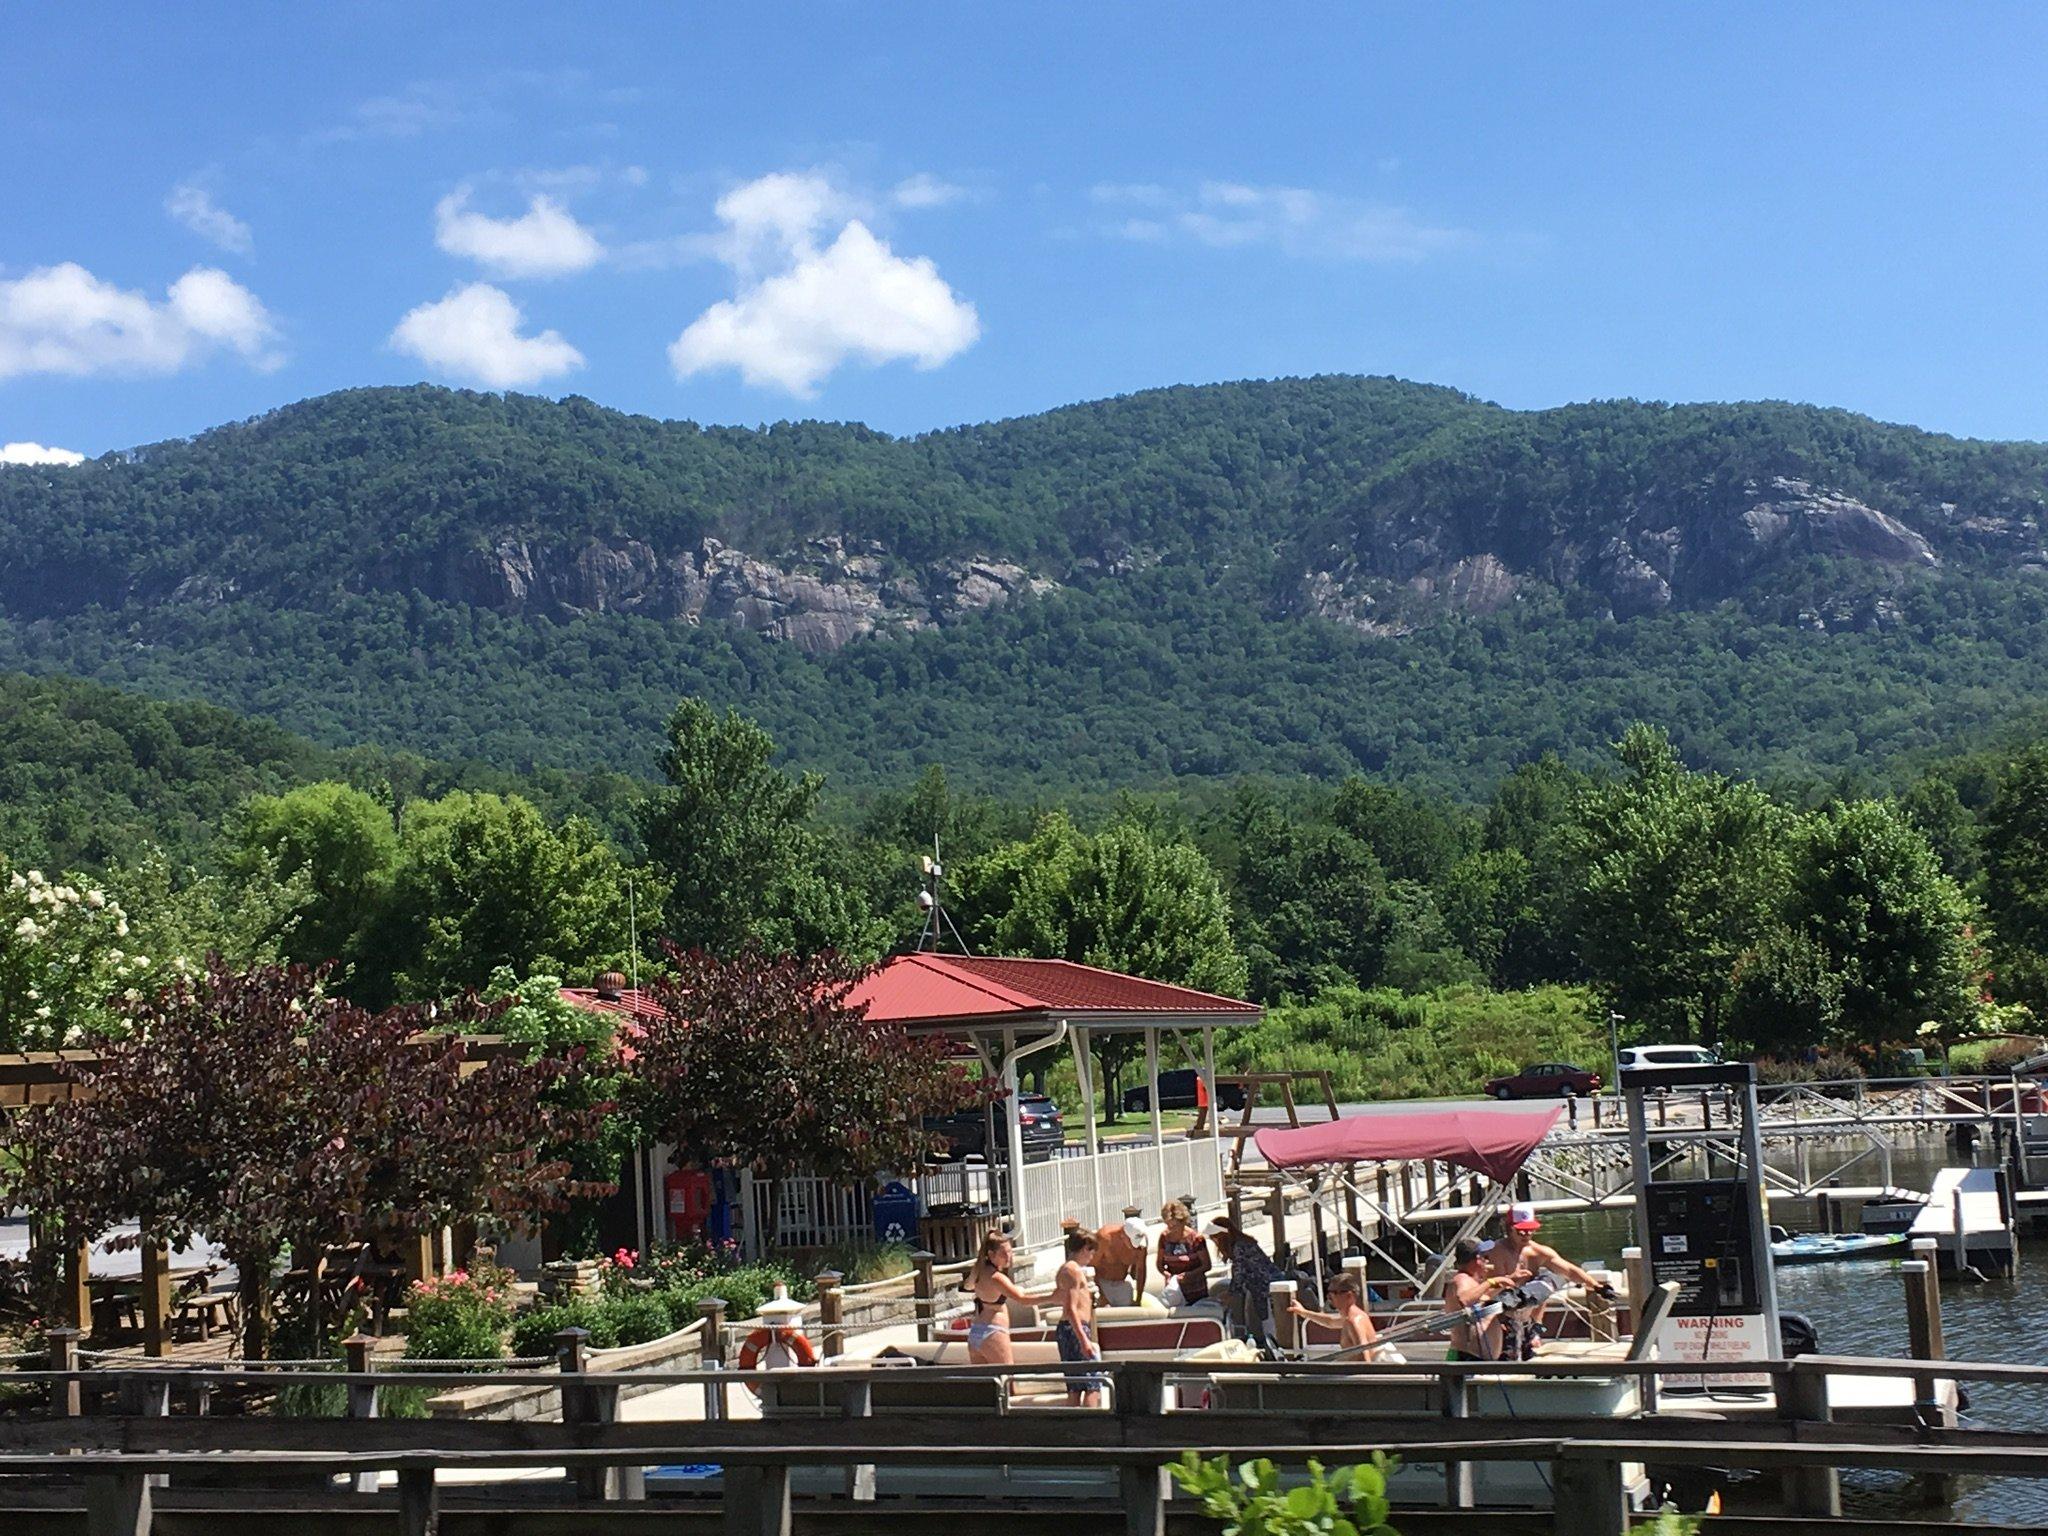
[{"x": 1127, "y": 1125}]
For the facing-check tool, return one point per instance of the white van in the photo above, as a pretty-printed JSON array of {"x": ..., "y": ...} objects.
[{"x": 1666, "y": 1056}]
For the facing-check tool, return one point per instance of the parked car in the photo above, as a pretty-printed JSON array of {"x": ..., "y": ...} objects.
[
  {"x": 1177, "y": 1091},
  {"x": 1667, "y": 1056},
  {"x": 966, "y": 1133},
  {"x": 1545, "y": 1080}
]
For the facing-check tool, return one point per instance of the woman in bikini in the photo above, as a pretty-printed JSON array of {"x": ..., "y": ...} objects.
[{"x": 989, "y": 1283}]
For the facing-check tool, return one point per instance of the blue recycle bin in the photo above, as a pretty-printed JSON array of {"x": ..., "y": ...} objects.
[{"x": 895, "y": 1208}]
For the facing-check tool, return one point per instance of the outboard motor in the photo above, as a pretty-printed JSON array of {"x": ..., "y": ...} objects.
[{"x": 1797, "y": 1336}]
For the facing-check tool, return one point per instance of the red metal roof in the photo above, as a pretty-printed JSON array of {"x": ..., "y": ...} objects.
[
  {"x": 968, "y": 989},
  {"x": 934, "y": 990},
  {"x": 628, "y": 1003}
]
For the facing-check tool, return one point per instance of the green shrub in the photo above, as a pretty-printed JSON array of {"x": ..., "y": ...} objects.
[
  {"x": 860, "y": 1262},
  {"x": 459, "y": 1316},
  {"x": 1256, "y": 1500},
  {"x": 1381, "y": 1044},
  {"x": 533, "y": 1333},
  {"x": 637, "y": 1318}
]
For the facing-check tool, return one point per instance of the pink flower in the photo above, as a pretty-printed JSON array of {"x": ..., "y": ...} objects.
[{"x": 623, "y": 1258}]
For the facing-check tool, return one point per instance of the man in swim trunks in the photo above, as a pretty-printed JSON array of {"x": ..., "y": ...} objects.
[
  {"x": 1472, "y": 1284},
  {"x": 1516, "y": 1255},
  {"x": 1075, "y": 1334}
]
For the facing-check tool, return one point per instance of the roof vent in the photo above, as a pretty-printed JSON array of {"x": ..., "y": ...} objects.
[{"x": 611, "y": 984}]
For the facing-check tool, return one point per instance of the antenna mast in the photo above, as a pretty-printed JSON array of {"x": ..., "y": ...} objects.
[{"x": 938, "y": 922}]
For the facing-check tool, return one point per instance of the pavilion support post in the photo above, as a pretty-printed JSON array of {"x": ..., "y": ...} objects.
[
  {"x": 1158, "y": 1120},
  {"x": 156, "y": 1299},
  {"x": 1215, "y": 1103},
  {"x": 1084, "y": 1073},
  {"x": 1014, "y": 1129}
]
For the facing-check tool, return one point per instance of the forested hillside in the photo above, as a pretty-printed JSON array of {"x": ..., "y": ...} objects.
[{"x": 1304, "y": 576}]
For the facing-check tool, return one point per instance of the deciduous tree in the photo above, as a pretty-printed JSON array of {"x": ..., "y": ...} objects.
[
  {"x": 760, "y": 1063},
  {"x": 259, "y": 1110}
]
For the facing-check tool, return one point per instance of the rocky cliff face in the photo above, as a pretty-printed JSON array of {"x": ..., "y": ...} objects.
[
  {"x": 819, "y": 600},
  {"x": 1641, "y": 563}
]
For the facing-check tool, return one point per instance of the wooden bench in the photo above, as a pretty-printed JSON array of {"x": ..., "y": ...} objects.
[{"x": 208, "y": 1308}]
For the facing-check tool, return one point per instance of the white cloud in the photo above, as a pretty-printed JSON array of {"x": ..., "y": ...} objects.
[
  {"x": 474, "y": 334},
  {"x": 193, "y": 206},
  {"x": 1299, "y": 221},
  {"x": 925, "y": 190},
  {"x": 544, "y": 241},
  {"x": 803, "y": 308},
  {"x": 36, "y": 453},
  {"x": 64, "y": 320}
]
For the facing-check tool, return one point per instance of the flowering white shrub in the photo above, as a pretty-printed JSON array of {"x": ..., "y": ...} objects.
[{"x": 63, "y": 967}]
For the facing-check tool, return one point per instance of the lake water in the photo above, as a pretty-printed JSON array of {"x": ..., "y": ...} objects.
[{"x": 1859, "y": 1309}]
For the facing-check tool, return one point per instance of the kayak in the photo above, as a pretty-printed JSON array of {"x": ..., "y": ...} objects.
[{"x": 1827, "y": 1248}]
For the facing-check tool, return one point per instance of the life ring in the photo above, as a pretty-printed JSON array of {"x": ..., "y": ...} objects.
[{"x": 791, "y": 1339}]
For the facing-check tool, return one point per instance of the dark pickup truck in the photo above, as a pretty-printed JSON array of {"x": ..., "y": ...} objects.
[{"x": 1177, "y": 1091}]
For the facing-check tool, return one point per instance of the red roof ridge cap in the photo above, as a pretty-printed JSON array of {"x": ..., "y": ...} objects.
[{"x": 1150, "y": 981}]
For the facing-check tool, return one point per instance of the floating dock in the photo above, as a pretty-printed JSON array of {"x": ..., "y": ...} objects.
[{"x": 1969, "y": 1215}]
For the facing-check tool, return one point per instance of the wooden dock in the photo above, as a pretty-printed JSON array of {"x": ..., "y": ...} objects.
[{"x": 1969, "y": 1217}]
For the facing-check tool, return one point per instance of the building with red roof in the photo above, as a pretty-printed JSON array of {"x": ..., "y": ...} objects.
[{"x": 1006, "y": 1009}]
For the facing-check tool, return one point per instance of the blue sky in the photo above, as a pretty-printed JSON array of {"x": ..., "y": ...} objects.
[{"x": 917, "y": 215}]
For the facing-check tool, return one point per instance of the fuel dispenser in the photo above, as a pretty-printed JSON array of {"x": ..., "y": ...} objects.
[{"x": 1709, "y": 1234}]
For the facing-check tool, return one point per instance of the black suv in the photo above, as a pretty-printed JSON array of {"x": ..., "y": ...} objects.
[
  {"x": 1177, "y": 1091},
  {"x": 966, "y": 1133}
]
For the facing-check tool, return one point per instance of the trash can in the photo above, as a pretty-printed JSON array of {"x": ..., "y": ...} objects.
[{"x": 896, "y": 1214}]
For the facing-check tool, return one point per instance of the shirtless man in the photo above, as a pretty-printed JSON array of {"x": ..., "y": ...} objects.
[
  {"x": 1517, "y": 1256},
  {"x": 1075, "y": 1334},
  {"x": 1357, "y": 1339},
  {"x": 1473, "y": 1283},
  {"x": 1120, "y": 1259}
]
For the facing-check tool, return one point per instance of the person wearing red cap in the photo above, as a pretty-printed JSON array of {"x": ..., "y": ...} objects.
[{"x": 1516, "y": 1256}]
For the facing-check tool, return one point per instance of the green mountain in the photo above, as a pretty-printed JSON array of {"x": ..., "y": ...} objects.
[{"x": 1308, "y": 575}]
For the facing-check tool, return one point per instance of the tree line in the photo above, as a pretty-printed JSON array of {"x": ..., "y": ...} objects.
[{"x": 1694, "y": 904}]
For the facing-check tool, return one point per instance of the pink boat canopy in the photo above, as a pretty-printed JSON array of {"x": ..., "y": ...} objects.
[{"x": 1495, "y": 1142}]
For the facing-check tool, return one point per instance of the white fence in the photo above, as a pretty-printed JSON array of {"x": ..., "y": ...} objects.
[
  {"x": 1097, "y": 1189},
  {"x": 813, "y": 1213}
]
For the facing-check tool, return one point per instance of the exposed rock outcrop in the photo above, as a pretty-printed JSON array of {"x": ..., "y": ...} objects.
[{"x": 819, "y": 601}]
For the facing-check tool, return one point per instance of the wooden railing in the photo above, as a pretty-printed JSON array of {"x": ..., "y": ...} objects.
[{"x": 117, "y": 1458}]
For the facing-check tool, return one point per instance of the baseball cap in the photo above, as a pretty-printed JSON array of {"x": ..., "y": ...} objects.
[{"x": 1523, "y": 1218}]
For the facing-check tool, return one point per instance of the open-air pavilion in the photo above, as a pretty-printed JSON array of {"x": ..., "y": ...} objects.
[
  {"x": 1002, "y": 1011},
  {"x": 1005, "y": 1010}
]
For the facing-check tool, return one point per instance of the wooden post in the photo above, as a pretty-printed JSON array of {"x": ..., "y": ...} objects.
[
  {"x": 1459, "y": 1492},
  {"x": 66, "y": 1397},
  {"x": 1234, "y": 1196},
  {"x": 1600, "y": 1316},
  {"x": 1588, "y": 1498},
  {"x": 1429, "y": 1180},
  {"x": 1638, "y": 1271},
  {"x": 831, "y": 1313},
  {"x": 756, "y": 1501},
  {"x": 419, "y": 1257},
  {"x": 419, "y": 1503},
  {"x": 1571, "y": 1111},
  {"x": 1276, "y": 1215},
  {"x": 925, "y": 1288},
  {"x": 117, "y": 1504},
  {"x": 1354, "y": 1215},
  {"x": 860, "y": 1404},
  {"x": 1286, "y": 1326},
  {"x": 1383, "y": 1189},
  {"x": 77, "y": 1305},
  {"x": 156, "y": 1299},
  {"x": 1814, "y": 1492},
  {"x": 578, "y": 1406},
  {"x": 362, "y": 1396},
  {"x": 1143, "y": 1487},
  {"x": 711, "y": 1310}
]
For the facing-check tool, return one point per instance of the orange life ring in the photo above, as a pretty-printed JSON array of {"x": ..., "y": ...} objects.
[{"x": 791, "y": 1339}]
